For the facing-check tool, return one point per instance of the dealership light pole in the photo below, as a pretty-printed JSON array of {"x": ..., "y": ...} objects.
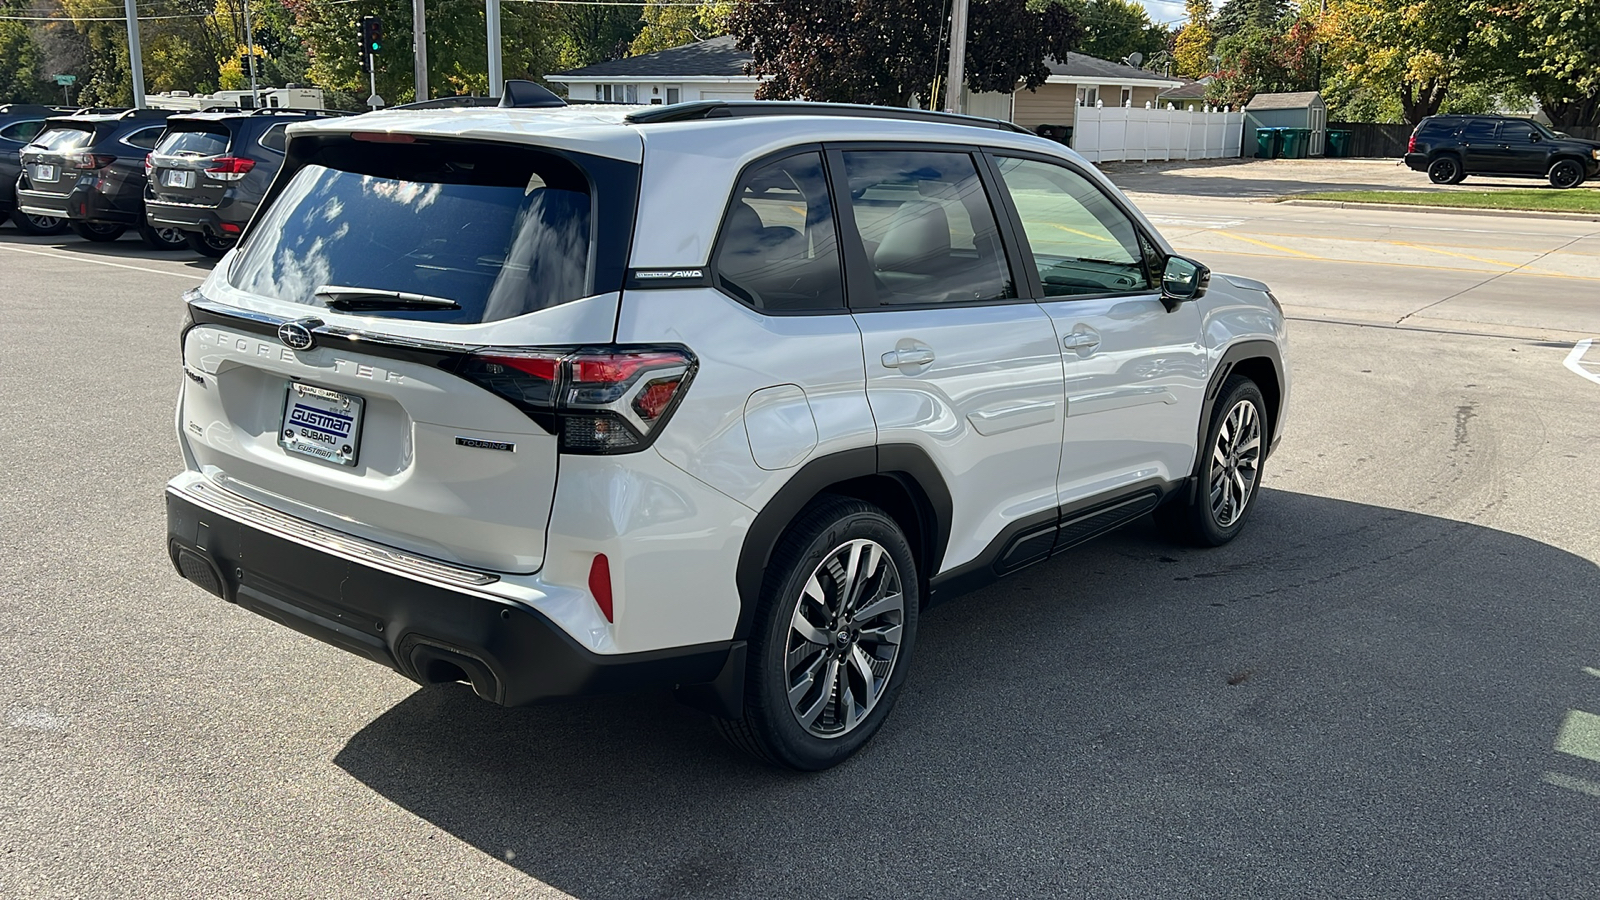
[
  {"x": 958, "y": 56},
  {"x": 135, "y": 55},
  {"x": 419, "y": 28},
  {"x": 491, "y": 13}
]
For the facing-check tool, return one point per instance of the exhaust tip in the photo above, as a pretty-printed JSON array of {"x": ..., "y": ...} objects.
[{"x": 431, "y": 662}]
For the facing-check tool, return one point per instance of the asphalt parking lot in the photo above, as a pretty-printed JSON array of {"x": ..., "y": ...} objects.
[{"x": 1389, "y": 686}]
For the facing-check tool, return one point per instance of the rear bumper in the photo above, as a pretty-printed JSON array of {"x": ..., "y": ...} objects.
[
  {"x": 84, "y": 203},
  {"x": 419, "y": 618},
  {"x": 192, "y": 216},
  {"x": 1418, "y": 161}
]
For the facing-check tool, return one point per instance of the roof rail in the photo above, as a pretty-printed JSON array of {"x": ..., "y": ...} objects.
[{"x": 739, "y": 109}]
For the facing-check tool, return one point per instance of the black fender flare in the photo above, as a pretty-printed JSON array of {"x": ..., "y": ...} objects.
[
  {"x": 908, "y": 464},
  {"x": 1250, "y": 348}
]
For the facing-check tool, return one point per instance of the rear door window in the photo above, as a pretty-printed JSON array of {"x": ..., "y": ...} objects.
[
  {"x": 497, "y": 231},
  {"x": 927, "y": 228},
  {"x": 198, "y": 143},
  {"x": 1478, "y": 131}
]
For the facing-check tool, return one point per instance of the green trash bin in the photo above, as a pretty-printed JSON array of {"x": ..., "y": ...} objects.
[
  {"x": 1269, "y": 143},
  {"x": 1296, "y": 143},
  {"x": 1338, "y": 143}
]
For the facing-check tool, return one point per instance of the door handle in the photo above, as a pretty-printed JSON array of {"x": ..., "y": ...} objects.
[
  {"x": 1081, "y": 340},
  {"x": 896, "y": 359}
]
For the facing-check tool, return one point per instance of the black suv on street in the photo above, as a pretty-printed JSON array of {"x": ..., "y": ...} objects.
[
  {"x": 19, "y": 124},
  {"x": 211, "y": 169},
  {"x": 1449, "y": 148},
  {"x": 90, "y": 168}
]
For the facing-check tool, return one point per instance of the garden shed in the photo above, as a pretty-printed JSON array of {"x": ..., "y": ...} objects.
[{"x": 1301, "y": 109}]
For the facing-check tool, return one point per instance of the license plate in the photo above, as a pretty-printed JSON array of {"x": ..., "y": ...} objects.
[
  {"x": 177, "y": 178},
  {"x": 42, "y": 173},
  {"x": 321, "y": 423}
]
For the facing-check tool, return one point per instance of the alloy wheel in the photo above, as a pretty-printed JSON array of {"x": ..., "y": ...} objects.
[
  {"x": 173, "y": 236},
  {"x": 844, "y": 638},
  {"x": 43, "y": 223},
  {"x": 1235, "y": 463}
]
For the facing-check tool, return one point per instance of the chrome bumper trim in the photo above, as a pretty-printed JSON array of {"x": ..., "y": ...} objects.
[{"x": 227, "y": 503}]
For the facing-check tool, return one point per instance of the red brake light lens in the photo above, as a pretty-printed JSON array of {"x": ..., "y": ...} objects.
[
  {"x": 149, "y": 165},
  {"x": 1411, "y": 145},
  {"x": 230, "y": 168},
  {"x": 597, "y": 399},
  {"x": 600, "y": 584}
]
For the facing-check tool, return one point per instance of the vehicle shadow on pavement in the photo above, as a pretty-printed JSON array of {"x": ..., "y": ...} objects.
[
  {"x": 128, "y": 248},
  {"x": 1347, "y": 701}
]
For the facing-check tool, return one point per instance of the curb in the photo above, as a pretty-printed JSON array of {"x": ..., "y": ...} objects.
[{"x": 1456, "y": 210}]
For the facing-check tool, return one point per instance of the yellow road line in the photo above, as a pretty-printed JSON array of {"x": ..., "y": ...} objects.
[
  {"x": 1365, "y": 240},
  {"x": 1097, "y": 237},
  {"x": 1481, "y": 259},
  {"x": 1240, "y": 237}
]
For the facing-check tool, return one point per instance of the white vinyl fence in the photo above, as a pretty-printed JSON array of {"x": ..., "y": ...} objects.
[{"x": 1130, "y": 133}]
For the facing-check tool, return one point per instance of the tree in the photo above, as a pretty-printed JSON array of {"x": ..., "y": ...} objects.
[
  {"x": 1237, "y": 15},
  {"x": 889, "y": 51},
  {"x": 22, "y": 75},
  {"x": 1257, "y": 59},
  {"x": 596, "y": 33},
  {"x": 1417, "y": 49},
  {"x": 1553, "y": 49},
  {"x": 1113, "y": 29},
  {"x": 1195, "y": 41},
  {"x": 673, "y": 23}
]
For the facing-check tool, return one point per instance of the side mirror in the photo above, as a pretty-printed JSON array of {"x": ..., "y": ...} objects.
[
  {"x": 1183, "y": 280},
  {"x": 1533, "y": 138}
]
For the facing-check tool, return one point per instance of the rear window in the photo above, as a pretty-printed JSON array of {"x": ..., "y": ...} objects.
[
  {"x": 500, "y": 231},
  {"x": 193, "y": 143},
  {"x": 62, "y": 137}
]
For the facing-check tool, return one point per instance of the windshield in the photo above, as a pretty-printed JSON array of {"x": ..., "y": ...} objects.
[
  {"x": 62, "y": 137},
  {"x": 451, "y": 228},
  {"x": 192, "y": 143}
]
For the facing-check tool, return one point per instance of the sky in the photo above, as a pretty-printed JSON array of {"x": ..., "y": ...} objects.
[{"x": 1163, "y": 10}]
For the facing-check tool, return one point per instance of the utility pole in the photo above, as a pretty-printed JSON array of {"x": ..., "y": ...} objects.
[
  {"x": 419, "y": 28},
  {"x": 135, "y": 55},
  {"x": 958, "y": 56},
  {"x": 491, "y": 13},
  {"x": 250, "y": 41}
]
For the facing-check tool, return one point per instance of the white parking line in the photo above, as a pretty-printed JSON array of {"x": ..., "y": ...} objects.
[
  {"x": 1194, "y": 223},
  {"x": 196, "y": 276},
  {"x": 1575, "y": 360}
]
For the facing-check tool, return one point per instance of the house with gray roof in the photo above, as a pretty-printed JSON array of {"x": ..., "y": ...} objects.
[{"x": 714, "y": 70}]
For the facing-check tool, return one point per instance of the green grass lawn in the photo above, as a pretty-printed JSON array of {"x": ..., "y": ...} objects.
[{"x": 1574, "y": 200}]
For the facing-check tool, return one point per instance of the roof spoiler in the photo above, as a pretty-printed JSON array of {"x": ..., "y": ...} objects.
[{"x": 519, "y": 94}]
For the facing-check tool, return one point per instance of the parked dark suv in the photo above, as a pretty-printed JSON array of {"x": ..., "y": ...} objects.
[
  {"x": 89, "y": 167},
  {"x": 20, "y": 123},
  {"x": 211, "y": 169},
  {"x": 1449, "y": 148}
]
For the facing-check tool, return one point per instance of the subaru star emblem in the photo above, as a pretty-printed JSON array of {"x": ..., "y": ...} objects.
[{"x": 297, "y": 335}]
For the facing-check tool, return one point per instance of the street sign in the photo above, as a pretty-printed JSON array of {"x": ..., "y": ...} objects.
[{"x": 66, "y": 79}]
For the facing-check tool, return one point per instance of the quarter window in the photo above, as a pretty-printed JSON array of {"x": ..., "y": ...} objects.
[
  {"x": 276, "y": 138},
  {"x": 779, "y": 247},
  {"x": 144, "y": 138},
  {"x": 22, "y": 132},
  {"x": 927, "y": 228},
  {"x": 1081, "y": 242}
]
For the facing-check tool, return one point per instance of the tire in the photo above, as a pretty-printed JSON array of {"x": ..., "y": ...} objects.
[
  {"x": 1566, "y": 173},
  {"x": 1446, "y": 170},
  {"x": 99, "y": 232},
  {"x": 1229, "y": 470},
  {"x": 163, "y": 238},
  {"x": 39, "y": 226},
  {"x": 207, "y": 244},
  {"x": 808, "y": 591}
]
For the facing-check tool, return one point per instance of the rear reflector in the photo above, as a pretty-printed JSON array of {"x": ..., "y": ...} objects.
[
  {"x": 600, "y": 584},
  {"x": 599, "y": 400},
  {"x": 230, "y": 228}
]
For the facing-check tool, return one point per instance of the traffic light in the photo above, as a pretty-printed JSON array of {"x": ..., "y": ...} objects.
[{"x": 371, "y": 34}]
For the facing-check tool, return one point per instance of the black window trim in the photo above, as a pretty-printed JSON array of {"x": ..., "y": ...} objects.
[
  {"x": 860, "y": 293},
  {"x": 712, "y": 278},
  {"x": 1153, "y": 280}
]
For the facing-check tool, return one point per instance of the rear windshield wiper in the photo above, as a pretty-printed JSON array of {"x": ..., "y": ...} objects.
[{"x": 353, "y": 299}]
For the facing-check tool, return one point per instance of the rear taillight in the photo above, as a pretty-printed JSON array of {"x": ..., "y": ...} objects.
[
  {"x": 597, "y": 399},
  {"x": 90, "y": 161},
  {"x": 149, "y": 165},
  {"x": 1411, "y": 145},
  {"x": 229, "y": 168}
]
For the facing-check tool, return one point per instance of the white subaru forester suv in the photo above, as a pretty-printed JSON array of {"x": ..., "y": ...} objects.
[{"x": 714, "y": 396}]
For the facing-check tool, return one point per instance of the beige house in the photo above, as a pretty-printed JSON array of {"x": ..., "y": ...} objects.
[{"x": 714, "y": 70}]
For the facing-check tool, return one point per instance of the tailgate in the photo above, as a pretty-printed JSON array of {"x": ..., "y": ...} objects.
[
  {"x": 436, "y": 465},
  {"x": 179, "y": 164}
]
